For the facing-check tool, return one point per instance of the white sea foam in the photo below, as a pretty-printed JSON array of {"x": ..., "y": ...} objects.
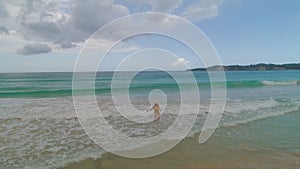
[
  {"x": 238, "y": 106},
  {"x": 45, "y": 133},
  {"x": 274, "y": 83},
  {"x": 260, "y": 116},
  {"x": 245, "y": 112}
]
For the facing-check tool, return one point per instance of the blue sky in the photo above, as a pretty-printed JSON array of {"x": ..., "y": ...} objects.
[
  {"x": 256, "y": 31},
  {"x": 49, "y": 35}
]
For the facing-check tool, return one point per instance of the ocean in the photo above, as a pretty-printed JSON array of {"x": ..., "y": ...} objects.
[{"x": 39, "y": 127}]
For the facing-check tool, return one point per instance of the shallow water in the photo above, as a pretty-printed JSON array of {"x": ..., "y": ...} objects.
[
  {"x": 242, "y": 146},
  {"x": 39, "y": 127}
]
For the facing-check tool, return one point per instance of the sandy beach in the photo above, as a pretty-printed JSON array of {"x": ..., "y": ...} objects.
[{"x": 189, "y": 154}]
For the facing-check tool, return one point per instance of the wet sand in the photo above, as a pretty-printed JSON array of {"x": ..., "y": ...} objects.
[{"x": 189, "y": 154}]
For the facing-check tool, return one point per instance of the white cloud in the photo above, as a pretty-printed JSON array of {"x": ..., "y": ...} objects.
[
  {"x": 66, "y": 45},
  {"x": 91, "y": 15},
  {"x": 181, "y": 63},
  {"x": 165, "y": 5},
  {"x": 160, "y": 5},
  {"x": 104, "y": 44},
  {"x": 13, "y": 9},
  {"x": 10, "y": 42},
  {"x": 69, "y": 23},
  {"x": 196, "y": 11},
  {"x": 34, "y": 48},
  {"x": 203, "y": 9},
  {"x": 127, "y": 49},
  {"x": 61, "y": 24}
]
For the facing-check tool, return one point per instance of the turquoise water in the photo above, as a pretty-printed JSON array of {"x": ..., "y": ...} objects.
[
  {"x": 60, "y": 84},
  {"x": 39, "y": 128}
]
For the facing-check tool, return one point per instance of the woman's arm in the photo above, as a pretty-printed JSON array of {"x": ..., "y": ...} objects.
[{"x": 150, "y": 109}]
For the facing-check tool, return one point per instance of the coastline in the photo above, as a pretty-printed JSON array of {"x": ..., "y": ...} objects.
[
  {"x": 218, "y": 152},
  {"x": 252, "y": 67}
]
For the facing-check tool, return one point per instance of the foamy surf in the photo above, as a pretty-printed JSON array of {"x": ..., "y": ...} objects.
[
  {"x": 49, "y": 139},
  {"x": 274, "y": 83},
  {"x": 39, "y": 127}
]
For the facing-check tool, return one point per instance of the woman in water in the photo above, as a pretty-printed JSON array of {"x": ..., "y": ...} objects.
[{"x": 157, "y": 110}]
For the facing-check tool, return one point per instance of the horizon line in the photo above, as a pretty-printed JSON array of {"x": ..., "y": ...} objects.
[{"x": 89, "y": 71}]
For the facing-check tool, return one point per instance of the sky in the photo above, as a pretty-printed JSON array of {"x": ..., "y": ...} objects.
[{"x": 49, "y": 35}]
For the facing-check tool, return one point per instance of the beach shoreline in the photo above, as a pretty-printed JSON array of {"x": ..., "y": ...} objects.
[
  {"x": 39, "y": 127},
  {"x": 189, "y": 154}
]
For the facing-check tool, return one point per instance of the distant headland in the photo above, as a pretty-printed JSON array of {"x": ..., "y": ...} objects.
[{"x": 252, "y": 67}]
